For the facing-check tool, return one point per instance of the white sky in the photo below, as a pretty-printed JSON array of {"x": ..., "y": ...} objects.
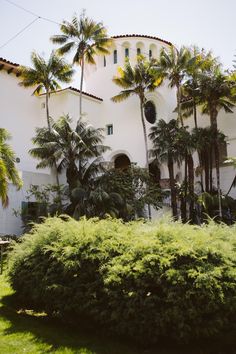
[{"x": 210, "y": 24}]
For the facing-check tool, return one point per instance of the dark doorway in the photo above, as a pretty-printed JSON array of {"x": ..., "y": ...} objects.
[
  {"x": 122, "y": 162},
  {"x": 154, "y": 171}
]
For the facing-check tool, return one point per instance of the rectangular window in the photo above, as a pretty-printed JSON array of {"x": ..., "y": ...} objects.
[
  {"x": 115, "y": 56},
  {"x": 150, "y": 53},
  {"x": 126, "y": 52},
  {"x": 138, "y": 51},
  {"x": 110, "y": 129},
  {"x": 104, "y": 61}
]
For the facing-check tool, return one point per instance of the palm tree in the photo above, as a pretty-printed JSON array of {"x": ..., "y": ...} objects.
[
  {"x": 232, "y": 161},
  {"x": 165, "y": 149},
  {"x": 85, "y": 38},
  {"x": 173, "y": 65},
  {"x": 72, "y": 149},
  {"x": 185, "y": 146},
  {"x": 216, "y": 94},
  {"x": 137, "y": 81},
  {"x": 199, "y": 62},
  {"x": 45, "y": 76},
  {"x": 8, "y": 171}
]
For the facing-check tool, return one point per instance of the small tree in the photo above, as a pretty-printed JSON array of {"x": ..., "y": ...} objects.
[
  {"x": 136, "y": 188},
  {"x": 45, "y": 76},
  {"x": 70, "y": 148},
  {"x": 8, "y": 170}
]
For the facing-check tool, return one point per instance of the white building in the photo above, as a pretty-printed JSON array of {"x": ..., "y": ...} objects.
[{"x": 21, "y": 113}]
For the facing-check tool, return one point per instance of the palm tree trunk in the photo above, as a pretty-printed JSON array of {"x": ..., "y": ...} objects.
[
  {"x": 184, "y": 196},
  {"x": 47, "y": 110},
  {"x": 55, "y": 164},
  {"x": 178, "y": 95},
  {"x": 172, "y": 188},
  {"x": 206, "y": 169},
  {"x": 191, "y": 186},
  {"x": 231, "y": 186},
  {"x": 210, "y": 169},
  {"x": 217, "y": 162},
  {"x": 72, "y": 179},
  {"x": 146, "y": 146},
  {"x": 81, "y": 88},
  {"x": 195, "y": 112}
]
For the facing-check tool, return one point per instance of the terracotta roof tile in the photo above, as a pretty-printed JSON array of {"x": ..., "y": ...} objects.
[
  {"x": 77, "y": 90},
  {"x": 9, "y": 62},
  {"x": 142, "y": 36}
]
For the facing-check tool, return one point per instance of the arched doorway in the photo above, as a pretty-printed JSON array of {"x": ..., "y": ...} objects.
[{"x": 122, "y": 162}]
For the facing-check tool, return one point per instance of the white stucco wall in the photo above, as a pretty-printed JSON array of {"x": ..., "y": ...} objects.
[
  {"x": 20, "y": 113},
  {"x": 125, "y": 116}
]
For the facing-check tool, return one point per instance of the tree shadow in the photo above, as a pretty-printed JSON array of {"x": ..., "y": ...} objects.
[
  {"x": 57, "y": 334},
  {"x": 83, "y": 340}
]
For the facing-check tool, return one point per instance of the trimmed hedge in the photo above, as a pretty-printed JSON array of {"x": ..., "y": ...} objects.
[{"x": 144, "y": 280}]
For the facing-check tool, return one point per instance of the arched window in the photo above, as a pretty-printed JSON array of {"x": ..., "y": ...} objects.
[
  {"x": 152, "y": 51},
  {"x": 138, "y": 51},
  {"x": 122, "y": 162},
  {"x": 115, "y": 56},
  {"x": 150, "y": 112},
  {"x": 104, "y": 61},
  {"x": 126, "y": 52}
]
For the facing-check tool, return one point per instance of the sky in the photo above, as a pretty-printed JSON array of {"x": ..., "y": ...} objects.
[{"x": 209, "y": 24}]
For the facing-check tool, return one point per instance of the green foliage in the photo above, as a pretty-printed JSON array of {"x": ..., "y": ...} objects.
[
  {"x": 210, "y": 204},
  {"x": 8, "y": 170},
  {"x": 136, "y": 188},
  {"x": 84, "y": 37},
  {"x": 41, "y": 201},
  {"x": 45, "y": 74},
  {"x": 144, "y": 280},
  {"x": 77, "y": 151}
]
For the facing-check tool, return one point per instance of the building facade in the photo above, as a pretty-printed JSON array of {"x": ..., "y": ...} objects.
[{"x": 21, "y": 113}]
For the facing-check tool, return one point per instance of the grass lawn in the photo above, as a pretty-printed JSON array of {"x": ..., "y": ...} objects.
[{"x": 28, "y": 332}]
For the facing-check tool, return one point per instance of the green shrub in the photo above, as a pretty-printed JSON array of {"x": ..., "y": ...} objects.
[{"x": 144, "y": 280}]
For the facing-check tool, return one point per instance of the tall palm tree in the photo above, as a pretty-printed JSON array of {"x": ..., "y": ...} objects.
[
  {"x": 200, "y": 62},
  {"x": 166, "y": 150},
  {"x": 70, "y": 148},
  {"x": 85, "y": 38},
  {"x": 217, "y": 93},
  {"x": 44, "y": 77},
  {"x": 137, "y": 81},
  {"x": 185, "y": 146},
  {"x": 8, "y": 171},
  {"x": 173, "y": 64}
]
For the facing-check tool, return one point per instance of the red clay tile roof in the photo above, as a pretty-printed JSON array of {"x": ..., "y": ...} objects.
[
  {"x": 142, "y": 36},
  {"x": 77, "y": 90},
  {"x": 9, "y": 62},
  {"x": 15, "y": 65}
]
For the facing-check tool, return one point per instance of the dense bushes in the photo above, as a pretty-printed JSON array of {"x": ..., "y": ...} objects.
[{"x": 141, "y": 279}]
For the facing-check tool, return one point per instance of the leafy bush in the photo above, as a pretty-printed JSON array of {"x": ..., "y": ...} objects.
[{"x": 144, "y": 280}]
